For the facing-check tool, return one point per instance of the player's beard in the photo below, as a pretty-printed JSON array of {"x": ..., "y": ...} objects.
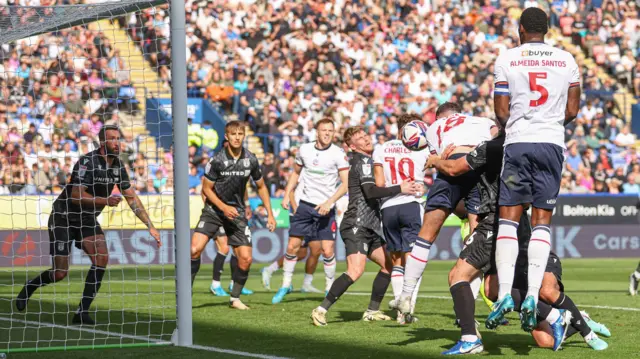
[{"x": 111, "y": 152}]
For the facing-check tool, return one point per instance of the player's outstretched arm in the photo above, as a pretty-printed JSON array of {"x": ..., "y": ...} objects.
[
  {"x": 371, "y": 191},
  {"x": 292, "y": 183},
  {"x": 263, "y": 193},
  {"x": 138, "y": 208},
  {"x": 451, "y": 168}
]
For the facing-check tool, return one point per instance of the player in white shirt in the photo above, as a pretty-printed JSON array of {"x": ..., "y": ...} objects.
[
  {"x": 537, "y": 92},
  {"x": 308, "y": 243},
  {"x": 401, "y": 214},
  {"x": 465, "y": 132},
  {"x": 320, "y": 164}
]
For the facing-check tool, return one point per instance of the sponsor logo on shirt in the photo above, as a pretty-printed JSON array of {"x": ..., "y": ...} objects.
[
  {"x": 246, "y": 162},
  {"x": 525, "y": 53},
  {"x": 244, "y": 173}
]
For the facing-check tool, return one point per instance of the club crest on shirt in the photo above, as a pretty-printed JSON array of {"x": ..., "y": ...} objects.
[
  {"x": 115, "y": 172},
  {"x": 82, "y": 170},
  {"x": 366, "y": 169},
  {"x": 246, "y": 162},
  {"x": 316, "y": 162}
]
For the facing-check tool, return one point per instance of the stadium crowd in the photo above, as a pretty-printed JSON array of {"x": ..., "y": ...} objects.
[{"x": 283, "y": 65}]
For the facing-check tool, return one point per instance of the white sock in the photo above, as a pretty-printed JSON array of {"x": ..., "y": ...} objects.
[
  {"x": 553, "y": 316},
  {"x": 590, "y": 336},
  {"x": 329, "y": 271},
  {"x": 320, "y": 309},
  {"x": 397, "y": 280},
  {"x": 288, "y": 267},
  {"x": 414, "y": 296},
  {"x": 506, "y": 255},
  {"x": 215, "y": 283},
  {"x": 416, "y": 263},
  {"x": 469, "y": 338},
  {"x": 308, "y": 278},
  {"x": 272, "y": 268},
  {"x": 538, "y": 252},
  {"x": 475, "y": 286}
]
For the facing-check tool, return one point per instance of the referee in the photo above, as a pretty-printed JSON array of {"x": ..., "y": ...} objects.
[{"x": 74, "y": 219}]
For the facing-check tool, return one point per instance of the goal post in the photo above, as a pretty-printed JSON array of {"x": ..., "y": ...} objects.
[{"x": 66, "y": 71}]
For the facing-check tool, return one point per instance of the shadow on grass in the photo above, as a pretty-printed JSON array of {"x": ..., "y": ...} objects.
[{"x": 492, "y": 341}]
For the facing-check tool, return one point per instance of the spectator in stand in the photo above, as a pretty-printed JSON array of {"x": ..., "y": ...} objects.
[
  {"x": 631, "y": 186},
  {"x": 625, "y": 138}
]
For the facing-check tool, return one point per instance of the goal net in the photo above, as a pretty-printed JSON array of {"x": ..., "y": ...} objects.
[{"x": 65, "y": 72}]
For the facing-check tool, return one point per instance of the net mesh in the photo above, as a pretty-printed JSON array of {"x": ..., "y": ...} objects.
[{"x": 66, "y": 71}]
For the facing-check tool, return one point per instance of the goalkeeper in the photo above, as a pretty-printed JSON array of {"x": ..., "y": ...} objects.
[{"x": 74, "y": 219}]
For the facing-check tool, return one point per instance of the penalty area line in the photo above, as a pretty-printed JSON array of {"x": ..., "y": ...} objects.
[
  {"x": 449, "y": 298},
  {"x": 36, "y": 325}
]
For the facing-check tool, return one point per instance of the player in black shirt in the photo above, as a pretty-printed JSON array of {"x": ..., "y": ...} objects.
[
  {"x": 225, "y": 183},
  {"x": 361, "y": 228},
  {"x": 222, "y": 251},
  {"x": 74, "y": 219}
]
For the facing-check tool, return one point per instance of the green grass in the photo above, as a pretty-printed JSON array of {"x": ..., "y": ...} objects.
[{"x": 285, "y": 329}]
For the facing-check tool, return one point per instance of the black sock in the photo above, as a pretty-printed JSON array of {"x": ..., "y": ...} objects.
[
  {"x": 91, "y": 286},
  {"x": 195, "y": 267},
  {"x": 234, "y": 265},
  {"x": 571, "y": 331},
  {"x": 517, "y": 296},
  {"x": 338, "y": 288},
  {"x": 239, "y": 279},
  {"x": 542, "y": 311},
  {"x": 41, "y": 280},
  {"x": 464, "y": 306},
  {"x": 218, "y": 265},
  {"x": 380, "y": 285},
  {"x": 577, "y": 321}
]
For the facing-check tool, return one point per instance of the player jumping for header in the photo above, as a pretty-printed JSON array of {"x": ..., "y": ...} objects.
[{"x": 537, "y": 93}]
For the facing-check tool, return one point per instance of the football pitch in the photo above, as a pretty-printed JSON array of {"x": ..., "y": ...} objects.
[{"x": 284, "y": 330}]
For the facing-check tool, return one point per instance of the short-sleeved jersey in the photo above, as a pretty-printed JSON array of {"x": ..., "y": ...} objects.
[
  {"x": 230, "y": 176},
  {"x": 360, "y": 211},
  {"x": 458, "y": 130},
  {"x": 320, "y": 169},
  {"x": 93, "y": 173},
  {"x": 486, "y": 159},
  {"x": 400, "y": 164},
  {"x": 537, "y": 77}
]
